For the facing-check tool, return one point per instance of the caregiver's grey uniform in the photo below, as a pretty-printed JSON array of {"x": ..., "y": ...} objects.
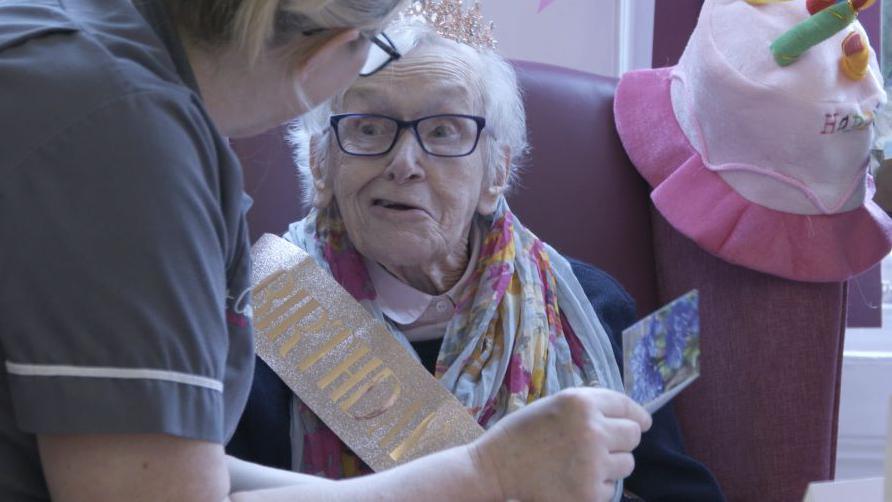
[{"x": 123, "y": 247}]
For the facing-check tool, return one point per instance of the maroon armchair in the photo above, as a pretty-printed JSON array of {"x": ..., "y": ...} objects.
[{"x": 763, "y": 415}]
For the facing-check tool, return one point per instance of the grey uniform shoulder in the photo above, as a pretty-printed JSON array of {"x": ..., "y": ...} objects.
[{"x": 62, "y": 62}]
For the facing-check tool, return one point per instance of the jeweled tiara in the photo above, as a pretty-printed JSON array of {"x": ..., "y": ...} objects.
[{"x": 453, "y": 21}]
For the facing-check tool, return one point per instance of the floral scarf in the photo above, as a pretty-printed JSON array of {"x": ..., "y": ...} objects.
[{"x": 523, "y": 329}]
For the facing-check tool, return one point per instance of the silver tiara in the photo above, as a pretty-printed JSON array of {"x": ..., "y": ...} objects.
[{"x": 453, "y": 21}]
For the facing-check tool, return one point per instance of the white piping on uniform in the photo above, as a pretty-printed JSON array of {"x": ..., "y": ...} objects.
[{"x": 51, "y": 370}]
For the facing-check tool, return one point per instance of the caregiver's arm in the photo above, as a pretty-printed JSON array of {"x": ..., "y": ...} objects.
[
  {"x": 248, "y": 476},
  {"x": 573, "y": 445}
]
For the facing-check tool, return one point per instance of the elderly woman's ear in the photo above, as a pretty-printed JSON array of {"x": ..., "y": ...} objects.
[
  {"x": 322, "y": 189},
  {"x": 495, "y": 186}
]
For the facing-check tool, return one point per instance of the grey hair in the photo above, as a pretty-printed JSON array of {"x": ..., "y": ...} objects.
[{"x": 502, "y": 107}]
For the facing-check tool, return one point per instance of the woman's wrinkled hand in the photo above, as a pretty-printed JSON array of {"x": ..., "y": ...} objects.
[{"x": 574, "y": 445}]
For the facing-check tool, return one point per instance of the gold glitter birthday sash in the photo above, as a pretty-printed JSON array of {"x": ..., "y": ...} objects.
[{"x": 345, "y": 365}]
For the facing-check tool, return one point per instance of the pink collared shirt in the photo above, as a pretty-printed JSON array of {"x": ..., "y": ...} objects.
[{"x": 420, "y": 316}]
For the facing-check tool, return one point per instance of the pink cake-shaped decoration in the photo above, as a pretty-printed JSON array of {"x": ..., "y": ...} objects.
[{"x": 762, "y": 165}]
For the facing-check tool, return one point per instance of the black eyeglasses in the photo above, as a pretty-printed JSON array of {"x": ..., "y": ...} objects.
[
  {"x": 382, "y": 52},
  {"x": 370, "y": 135}
]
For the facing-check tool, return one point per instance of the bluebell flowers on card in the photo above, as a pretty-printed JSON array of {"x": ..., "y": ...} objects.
[{"x": 661, "y": 352}]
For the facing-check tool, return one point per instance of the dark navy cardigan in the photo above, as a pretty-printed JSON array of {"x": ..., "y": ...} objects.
[{"x": 663, "y": 472}]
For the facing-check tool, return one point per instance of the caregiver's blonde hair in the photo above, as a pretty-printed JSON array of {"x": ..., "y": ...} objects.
[{"x": 253, "y": 25}]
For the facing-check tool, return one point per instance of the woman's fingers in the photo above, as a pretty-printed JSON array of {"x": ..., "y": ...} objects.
[
  {"x": 605, "y": 491},
  {"x": 582, "y": 437},
  {"x": 622, "y": 435},
  {"x": 619, "y": 466},
  {"x": 613, "y": 404}
]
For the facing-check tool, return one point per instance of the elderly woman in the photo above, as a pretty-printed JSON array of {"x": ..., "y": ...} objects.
[{"x": 407, "y": 173}]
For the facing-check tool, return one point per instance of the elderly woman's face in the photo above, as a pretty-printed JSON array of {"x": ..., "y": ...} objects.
[{"x": 408, "y": 208}]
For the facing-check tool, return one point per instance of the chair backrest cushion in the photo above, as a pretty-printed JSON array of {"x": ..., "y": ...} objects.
[{"x": 579, "y": 191}]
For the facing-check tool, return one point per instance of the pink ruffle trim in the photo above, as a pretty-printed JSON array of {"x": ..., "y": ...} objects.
[{"x": 700, "y": 205}]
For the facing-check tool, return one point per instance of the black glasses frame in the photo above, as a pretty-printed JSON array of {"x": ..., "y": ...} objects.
[
  {"x": 385, "y": 45},
  {"x": 406, "y": 124},
  {"x": 388, "y": 47}
]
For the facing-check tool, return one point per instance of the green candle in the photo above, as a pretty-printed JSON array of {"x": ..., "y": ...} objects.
[{"x": 814, "y": 30}]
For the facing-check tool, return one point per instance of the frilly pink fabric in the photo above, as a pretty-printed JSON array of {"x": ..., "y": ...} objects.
[{"x": 700, "y": 205}]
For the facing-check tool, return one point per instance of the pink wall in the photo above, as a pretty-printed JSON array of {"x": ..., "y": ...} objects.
[{"x": 563, "y": 33}]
